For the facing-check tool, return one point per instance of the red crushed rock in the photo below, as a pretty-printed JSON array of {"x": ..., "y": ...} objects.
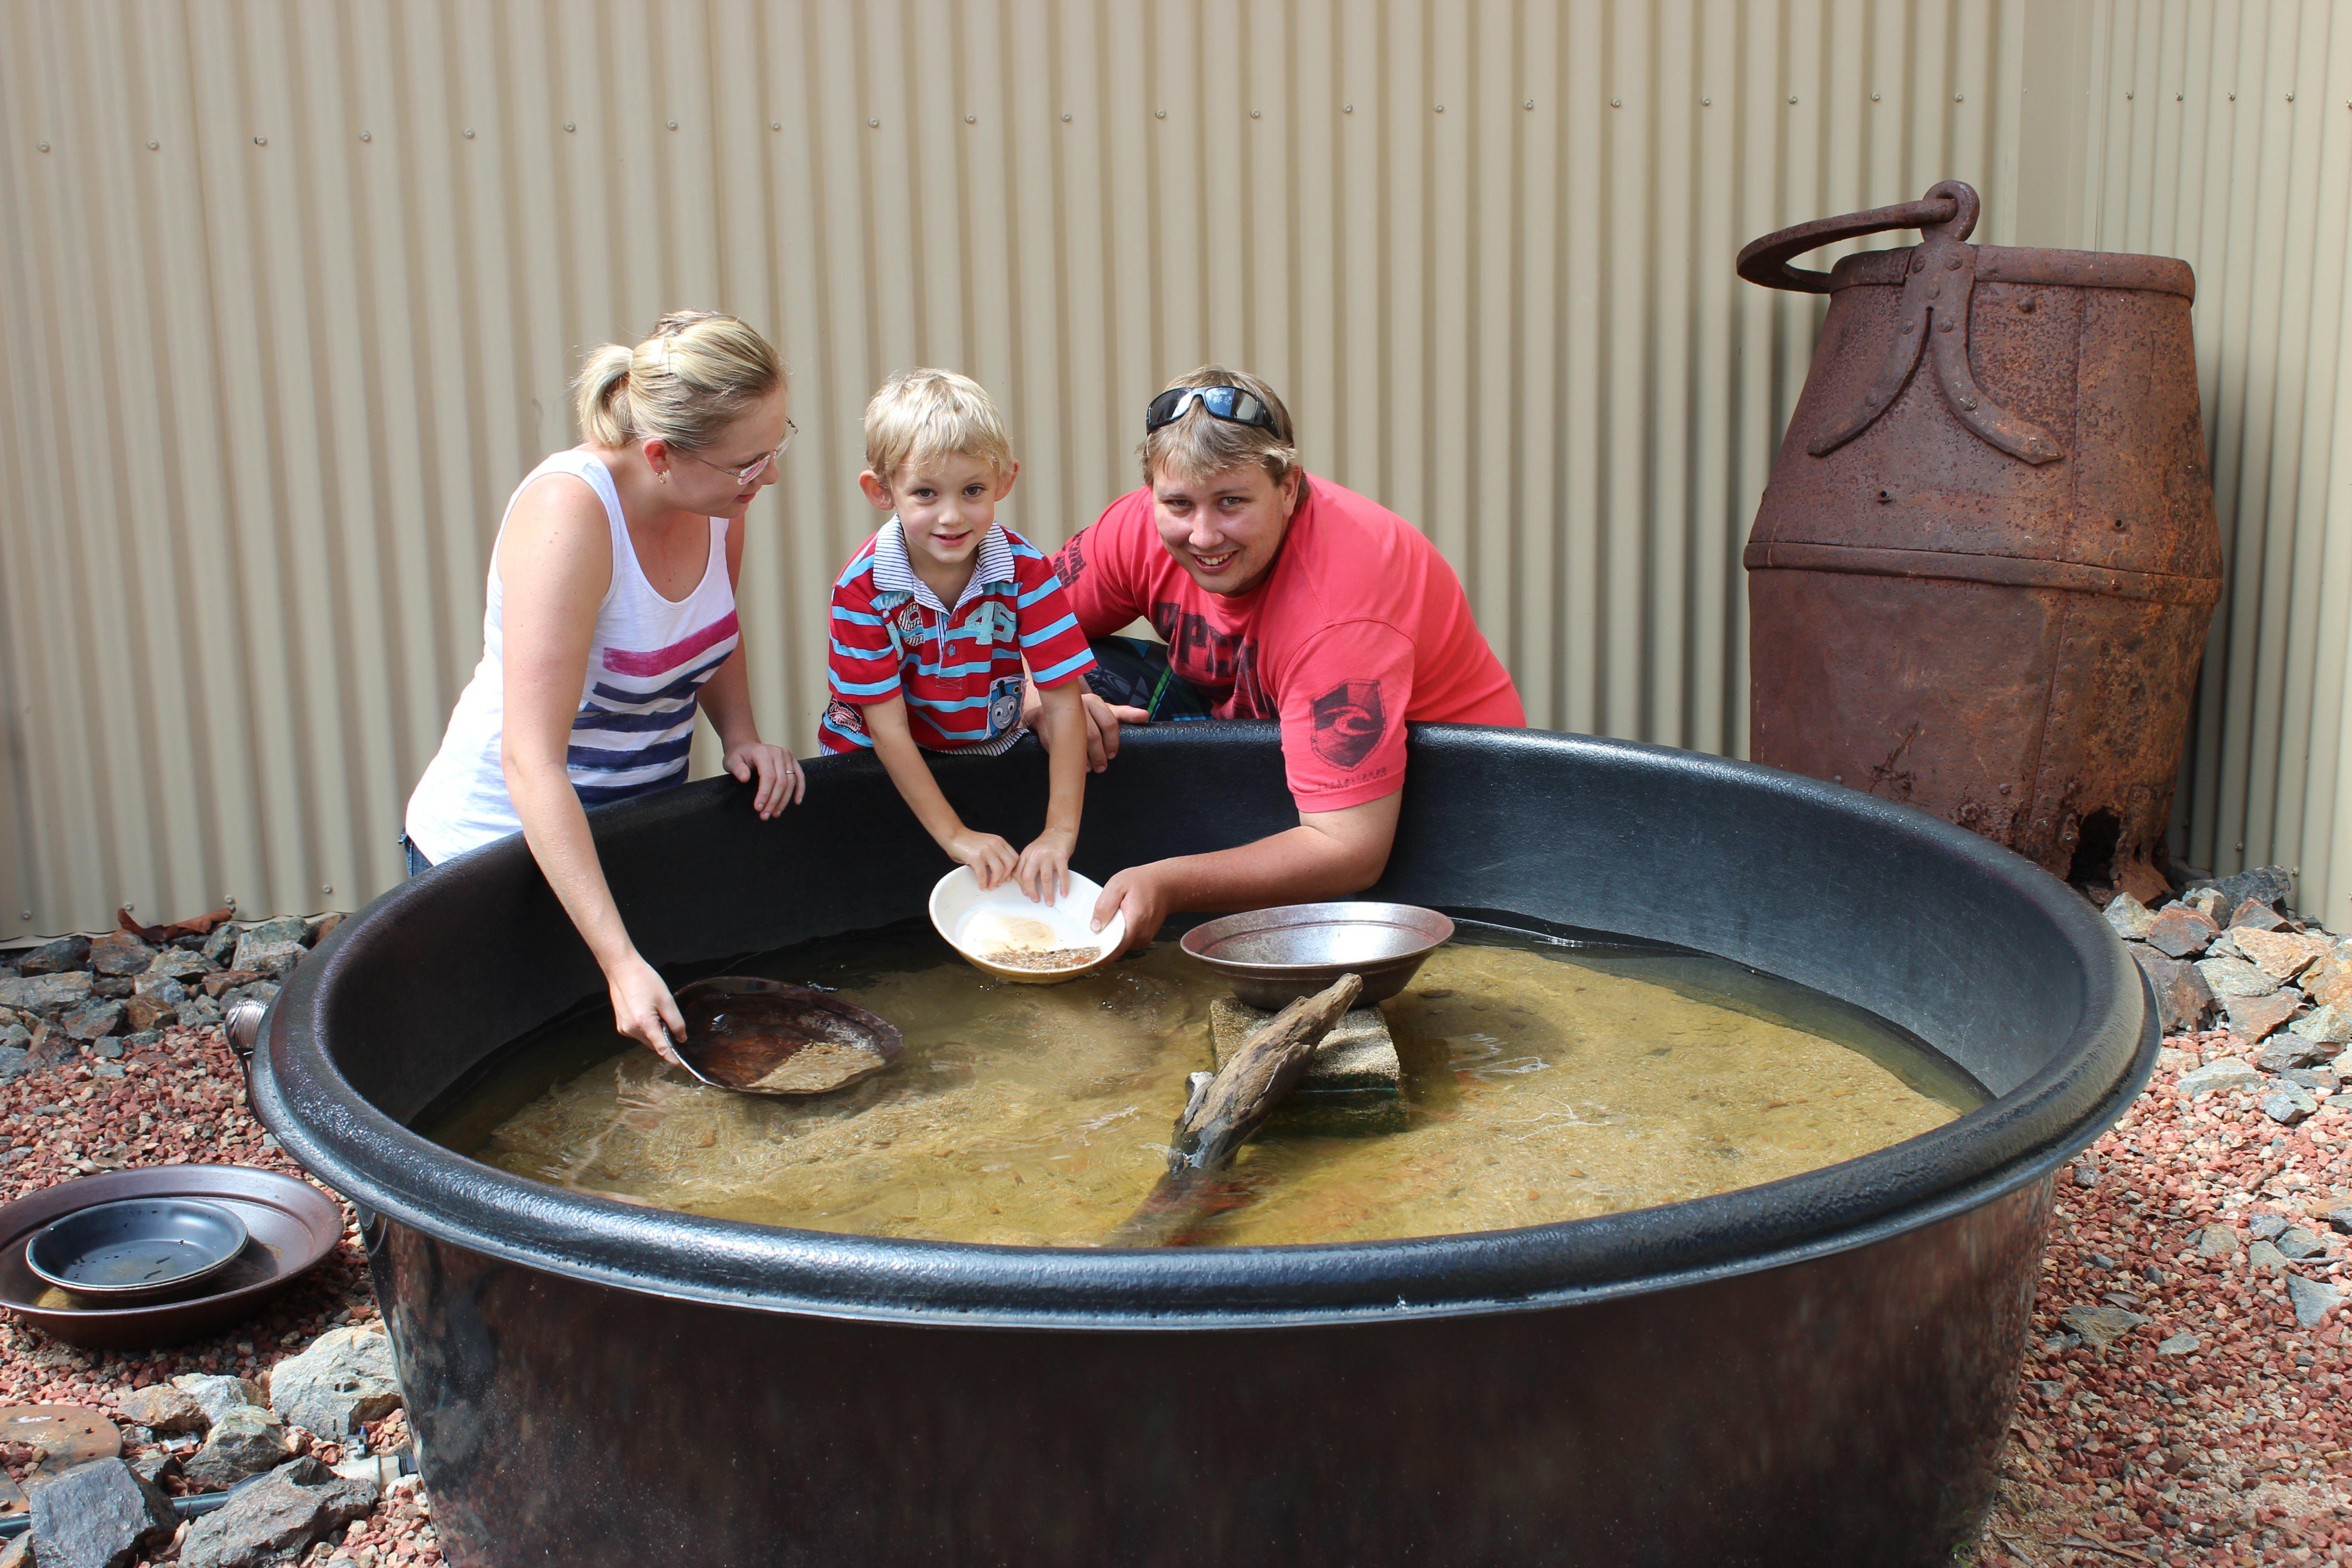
[
  {"x": 2240, "y": 1452},
  {"x": 182, "y": 1101}
]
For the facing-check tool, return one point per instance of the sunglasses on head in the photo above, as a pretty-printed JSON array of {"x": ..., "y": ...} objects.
[{"x": 1227, "y": 403}]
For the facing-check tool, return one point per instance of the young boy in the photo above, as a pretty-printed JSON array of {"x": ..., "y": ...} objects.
[{"x": 936, "y": 616}]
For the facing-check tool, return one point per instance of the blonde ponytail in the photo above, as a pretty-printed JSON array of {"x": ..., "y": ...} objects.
[{"x": 698, "y": 374}]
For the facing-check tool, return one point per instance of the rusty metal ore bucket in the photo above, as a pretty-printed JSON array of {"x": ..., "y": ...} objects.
[{"x": 1982, "y": 572}]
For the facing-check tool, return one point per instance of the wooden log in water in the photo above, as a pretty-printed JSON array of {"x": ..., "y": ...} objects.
[
  {"x": 1219, "y": 1117},
  {"x": 1249, "y": 1085}
]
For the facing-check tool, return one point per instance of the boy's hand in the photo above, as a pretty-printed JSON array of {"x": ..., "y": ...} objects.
[
  {"x": 1044, "y": 868},
  {"x": 777, "y": 775},
  {"x": 991, "y": 859}
]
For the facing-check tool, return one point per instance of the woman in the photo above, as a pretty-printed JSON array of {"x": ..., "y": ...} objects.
[{"x": 611, "y": 619}]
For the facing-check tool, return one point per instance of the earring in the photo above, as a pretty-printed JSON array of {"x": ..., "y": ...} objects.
[{"x": 663, "y": 476}]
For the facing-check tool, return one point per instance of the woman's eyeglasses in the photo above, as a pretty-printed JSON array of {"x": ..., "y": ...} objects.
[
  {"x": 746, "y": 476},
  {"x": 1228, "y": 402}
]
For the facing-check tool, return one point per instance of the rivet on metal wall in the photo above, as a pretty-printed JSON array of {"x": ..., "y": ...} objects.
[
  {"x": 568, "y": 125},
  {"x": 2128, "y": 95},
  {"x": 1874, "y": 98},
  {"x": 326, "y": 887},
  {"x": 2290, "y": 98},
  {"x": 1344, "y": 109},
  {"x": 2233, "y": 98},
  {"x": 45, "y": 146},
  {"x": 1616, "y": 104},
  {"x": 1163, "y": 114},
  {"x": 773, "y": 125},
  {"x": 469, "y": 133},
  {"x": 1065, "y": 116},
  {"x": 1530, "y": 103},
  {"x": 2180, "y": 96},
  {"x": 261, "y": 141},
  {"x": 873, "y": 122},
  {"x": 367, "y": 135},
  {"x": 1703, "y": 103},
  {"x": 1253, "y": 114},
  {"x": 971, "y": 120},
  {"x": 1441, "y": 109},
  {"x": 1792, "y": 98},
  {"x": 1960, "y": 98},
  {"x": 673, "y": 126}
]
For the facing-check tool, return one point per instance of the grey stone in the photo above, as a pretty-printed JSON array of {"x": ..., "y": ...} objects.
[
  {"x": 99, "y": 1515},
  {"x": 121, "y": 954},
  {"x": 92, "y": 1021},
  {"x": 14, "y": 1061},
  {"x": 2228, "y": 1072},
  {"x": 217, "y": 1393},
  {"x": 2182, "y": 997},
  {"x": 45, "y": 994},
  {"x": 2217, "y": 1241},
  {"x": 108, "y": 1069},
  {"x": 2326, "y": 1024},
  {"x": 2178, "y": 1344},
  {"x": 2179, "y": 933},
  {"x": 156, "y": 1466},
  {"x": 262, "y": 991},
  {"x": 278, "y": 1519},
  {"x": 160, "y": 987},
  {"x": 2266, "y": 1226},
  {"x": 2340, "y": 1220},
  {"x": 2299, "y": 1244},
  {"x": 2263, "y": 1254},
  {"x": 221, "y": 945},
  {"x": 176, "y": 963},
  {"x": 2273, "y": 885},
  {"x": 2290, "y": 1105},
  {"x": 2174, "y": 1061},
  {"x": 344, "y": 1379},
  {"x": 164, "y": 1409},
  {"x": 245, "y": 1441},
  {"x": 2314, "y": 1078},
  {"x": 2130, "y": 917},
  {"x": 2086, "y": 1174},
  {"x": 2230, "y": 977},
  {"x": 272, "y": 958},
  {"x": 113, "y": 987},
  {"x": 2311, "y": 1299},
  {"x": 2285, "y": 1052},
  {"x": 109, "y": 1049},
  {"x": 2206, "y": 901},
  {"x": 67, "y": 952},
  {"x": 2101, "y": 1326}
]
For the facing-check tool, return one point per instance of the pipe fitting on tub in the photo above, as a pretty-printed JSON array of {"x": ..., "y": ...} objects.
[{"x": 242, "y": 1024}]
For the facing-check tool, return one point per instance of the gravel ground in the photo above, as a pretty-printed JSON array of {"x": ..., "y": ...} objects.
[
  {"x": 182, "y": 1100},
  {"x": 2233, "y": 1451}
]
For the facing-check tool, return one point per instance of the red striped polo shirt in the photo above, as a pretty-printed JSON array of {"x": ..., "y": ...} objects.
[{"x": 959, "y": 669}]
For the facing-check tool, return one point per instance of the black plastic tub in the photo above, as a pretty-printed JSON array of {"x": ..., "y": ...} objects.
[{"x": 1816, "y": 1370}]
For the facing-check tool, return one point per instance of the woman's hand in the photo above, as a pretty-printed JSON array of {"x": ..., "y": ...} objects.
[
  {"x": 780, "y": 779},
  {"x": 1044, "y": 871},
  {"x": 991, "y": 859},
  {"x": 643, "y": 1007}
]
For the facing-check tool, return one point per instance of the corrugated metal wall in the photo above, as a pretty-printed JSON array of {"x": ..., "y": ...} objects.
[
  {"x": 292, "y": 292},
  {"x": 2222, "y": 134}
]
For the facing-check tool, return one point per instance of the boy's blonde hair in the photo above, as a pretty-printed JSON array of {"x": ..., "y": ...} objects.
[
  {"x": 1197, "y": 444},
  {"x": 920, "y": 416},
  {"x": 698, "y": 374}
]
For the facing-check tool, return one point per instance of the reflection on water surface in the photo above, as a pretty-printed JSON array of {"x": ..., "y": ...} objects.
[{"x": 1544, "y": 1081}]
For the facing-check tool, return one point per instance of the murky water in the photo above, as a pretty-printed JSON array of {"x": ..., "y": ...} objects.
[{"x": 1543, "y": 1081}]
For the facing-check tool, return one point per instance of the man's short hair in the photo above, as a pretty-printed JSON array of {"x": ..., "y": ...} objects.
[
  {"x": 1196, "y": 443},
  {"x": 920, "y": 416}
]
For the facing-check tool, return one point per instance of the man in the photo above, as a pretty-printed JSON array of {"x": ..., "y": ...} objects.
[{"x": 1279, "y": 595}]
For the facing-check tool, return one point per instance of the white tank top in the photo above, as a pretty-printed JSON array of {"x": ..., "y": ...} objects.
[{"x": 638, "y": 696}]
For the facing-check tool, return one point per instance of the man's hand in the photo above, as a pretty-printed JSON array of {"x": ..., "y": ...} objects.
[
  {"x": 1044, "y": 872},
  {"x": 1103, "y": 721},
  {"x": 991, "y": 859},
  {"x": 1141, "y": 894}
]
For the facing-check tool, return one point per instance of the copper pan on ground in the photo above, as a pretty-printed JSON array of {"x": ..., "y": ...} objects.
[{"x": 292, "y": 1224}]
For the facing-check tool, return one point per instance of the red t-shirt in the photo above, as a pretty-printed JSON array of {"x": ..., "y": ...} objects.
[{"x": 1360, "y": 625}]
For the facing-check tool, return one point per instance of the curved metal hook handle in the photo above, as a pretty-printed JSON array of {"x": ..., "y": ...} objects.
[{"x": 1948, "y": 209}]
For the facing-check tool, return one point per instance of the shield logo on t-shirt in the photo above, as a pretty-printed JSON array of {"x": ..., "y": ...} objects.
[{"x": 1348, "y": 722}]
